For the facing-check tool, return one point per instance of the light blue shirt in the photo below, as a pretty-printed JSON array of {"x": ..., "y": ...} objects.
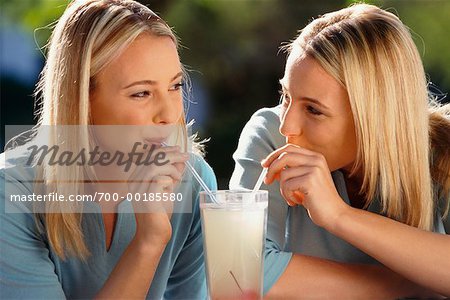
[
  {"x": 30, "y": 269},
  {"x": 290, "y": 229}
]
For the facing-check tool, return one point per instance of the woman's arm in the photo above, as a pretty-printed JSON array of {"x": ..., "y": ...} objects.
[
  {"x": 417, "y": 255},
  {"x": 306, "y": 277},
  {"x": 132, "y": 276},
  {"x": 421, "y": 256}
]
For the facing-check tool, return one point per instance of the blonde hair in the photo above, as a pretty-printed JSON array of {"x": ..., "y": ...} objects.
[
  {"x": 371, "y": 53},
  {"x": 89, "y": 35}
]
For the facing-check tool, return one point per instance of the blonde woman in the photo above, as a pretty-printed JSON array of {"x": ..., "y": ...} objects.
[
  {"x": 356, "y": 191},
  {"x": 109, "y": 62}
]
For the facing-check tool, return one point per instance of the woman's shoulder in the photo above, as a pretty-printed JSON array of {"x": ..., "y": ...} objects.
[
  {"x": 17, "y": 168},
  {"x": 264, "y": 125},
  {"x": 266, "y": 116},
  {"x": 18, "y": 158},
  {"x": 16, "y": 191},
  {"x": 17, "y": 176}
]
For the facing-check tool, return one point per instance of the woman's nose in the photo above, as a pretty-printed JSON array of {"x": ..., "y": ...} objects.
[
  {"x": 167, "y": 110},
  {"x": 291, "y": 123}
]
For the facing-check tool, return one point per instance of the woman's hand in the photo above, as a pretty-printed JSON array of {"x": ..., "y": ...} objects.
[
  {"x": 305, "y": 179},
  {"x": 147, "y": 182}
]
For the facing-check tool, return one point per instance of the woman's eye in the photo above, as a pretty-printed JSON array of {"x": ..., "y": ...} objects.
[
  {"x": 313, "y": 111},
  {"x": 142, "y": 94},
  {"x": 177, "y": 86}
]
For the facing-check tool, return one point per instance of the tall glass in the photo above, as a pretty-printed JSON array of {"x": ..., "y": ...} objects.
[{"x": 234, "y": 230}]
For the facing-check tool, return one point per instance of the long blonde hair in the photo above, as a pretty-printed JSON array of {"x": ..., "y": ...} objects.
[
  {"x": 89, "y": 35},
  {"x": 371, "y": 53}
]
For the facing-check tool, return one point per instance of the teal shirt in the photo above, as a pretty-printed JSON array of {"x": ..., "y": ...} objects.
[
  {"x": 30, "y": 269},
  {"x": 290, "y": 229}
]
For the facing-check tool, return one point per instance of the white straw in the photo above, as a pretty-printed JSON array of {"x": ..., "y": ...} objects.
[
  {"x": 199, "y": 179},
  {"x": 260, "y": 180}
]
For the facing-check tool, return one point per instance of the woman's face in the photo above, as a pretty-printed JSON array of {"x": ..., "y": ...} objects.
[
  {"x": 316, "y": 112},
  {"x": 141, "y": 87}
]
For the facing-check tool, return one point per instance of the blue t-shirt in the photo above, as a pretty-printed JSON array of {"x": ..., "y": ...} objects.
[
  {"x": 30, "y": 269},
  {"x": 290, "y": 229}
]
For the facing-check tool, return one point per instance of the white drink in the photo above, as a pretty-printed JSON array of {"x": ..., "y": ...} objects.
[{"x": 234, "y": 240}]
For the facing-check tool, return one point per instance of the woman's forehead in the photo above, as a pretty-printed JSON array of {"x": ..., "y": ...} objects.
[{"x": 148, "y": 57}]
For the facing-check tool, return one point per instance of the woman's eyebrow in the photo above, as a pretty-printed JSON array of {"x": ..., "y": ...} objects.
[
  {"x": 309, "y": 99},
  {"x": 140, "y": 82},
  {"x": 179, "y": 74},
  {"x": 151, "y": 82},
  {"x": 319, "y": 103}
]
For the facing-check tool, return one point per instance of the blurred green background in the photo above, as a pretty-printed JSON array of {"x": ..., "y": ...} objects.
[{"x": 231, "y": 48}]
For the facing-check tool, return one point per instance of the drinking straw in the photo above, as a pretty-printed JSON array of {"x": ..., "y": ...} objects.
[
  {"x": 237, "y": 283},
  {"x": 260, "y": 180},
  {"x": 199, "y": 179}
]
